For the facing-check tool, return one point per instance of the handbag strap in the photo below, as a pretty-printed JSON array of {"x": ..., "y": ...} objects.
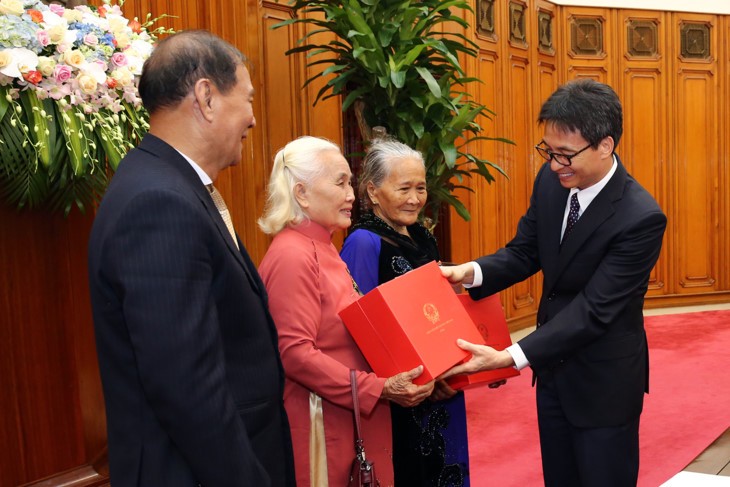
[{"x": 356, "y": 412}]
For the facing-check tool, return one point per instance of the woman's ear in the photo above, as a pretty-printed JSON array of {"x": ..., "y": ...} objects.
[
  {"x": 300, "y": 193},
  {"x": 372, "y": 190}
]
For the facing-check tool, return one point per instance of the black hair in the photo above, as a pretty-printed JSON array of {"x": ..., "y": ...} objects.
[
  {"x": 180, "y": 60},
  {"x": 586, "y": 106}
]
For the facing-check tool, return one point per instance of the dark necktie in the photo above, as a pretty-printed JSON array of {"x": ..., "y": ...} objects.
[{"x": 572, "y": 214}]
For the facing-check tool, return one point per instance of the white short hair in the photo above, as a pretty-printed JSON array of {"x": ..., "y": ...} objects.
[{"x": 297, "y": 162}]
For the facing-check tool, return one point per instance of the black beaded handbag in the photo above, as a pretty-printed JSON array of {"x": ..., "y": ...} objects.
[{"x": 362, "y": 473}]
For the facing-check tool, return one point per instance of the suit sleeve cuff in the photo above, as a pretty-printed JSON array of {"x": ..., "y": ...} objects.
[
  {"x": 518, "y": 356},
  {"x": 478, "y": 278}
]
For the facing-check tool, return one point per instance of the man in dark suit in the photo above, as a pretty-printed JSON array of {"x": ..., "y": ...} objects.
[
  {"x": 596, "y": 250},
  {"x": 188, "y": 353}
]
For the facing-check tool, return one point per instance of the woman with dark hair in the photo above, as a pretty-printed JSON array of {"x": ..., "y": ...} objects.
[{"x": 429, "y": 440}]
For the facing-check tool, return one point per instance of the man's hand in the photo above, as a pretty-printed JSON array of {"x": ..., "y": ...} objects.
[
  {"x": 401, "y": 390},
  {"x": 459, "y": 274},
  {"x": 483, "y": 358}
]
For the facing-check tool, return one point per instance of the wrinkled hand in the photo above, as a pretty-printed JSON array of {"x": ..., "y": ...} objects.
[
  {"x": 401, "y": 390},
  {"x": 483, "y": 358},
  {"x": 458, "y": 274},
  {"x": 442, "y": 391}
]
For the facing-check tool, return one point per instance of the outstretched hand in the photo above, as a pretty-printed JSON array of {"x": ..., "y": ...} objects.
[
  {"x": 458, "y": 274},
  {"x": 483, "y": 358},
  {"x": 401, "y": 390}
]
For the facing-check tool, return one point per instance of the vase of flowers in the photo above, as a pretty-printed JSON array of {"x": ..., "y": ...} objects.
[{"x": 69, "y": 105}]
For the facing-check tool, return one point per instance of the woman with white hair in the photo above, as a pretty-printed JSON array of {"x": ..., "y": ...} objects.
[{"x": 310, "y": 197}]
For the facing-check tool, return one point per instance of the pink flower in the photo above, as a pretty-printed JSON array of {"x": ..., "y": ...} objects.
[
  {"x": 91, "y": 40},
  {"x": 62, "y": 73},
  {"x": 57, "y": 9},
  {"x": 119, "y": 59},
  {"x": 43, "y": 37}
]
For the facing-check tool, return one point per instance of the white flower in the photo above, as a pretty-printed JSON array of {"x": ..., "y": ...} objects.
[
  {"x": 19, "y": 61},
  {"x": 11, "y": 7},
  {"x": 46, "y": 65},
  {"x": 144, "y": 48},
  {"x": 117, "y": 23},
  {"x": 96, "y": 70},
  {"x": 74, "y": 58},
  {"x": 51, "y": 20}
]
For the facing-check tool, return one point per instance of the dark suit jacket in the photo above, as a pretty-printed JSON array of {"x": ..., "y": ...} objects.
[
  {"x": 188, "y": 352},
  {"x": 590, "y": 331}
]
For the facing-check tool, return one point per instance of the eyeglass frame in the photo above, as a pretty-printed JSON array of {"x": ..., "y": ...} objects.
[{"x": 553, "y": 155}]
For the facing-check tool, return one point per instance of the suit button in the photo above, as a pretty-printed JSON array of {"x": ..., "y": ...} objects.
[{"x": 551, "y": 297}]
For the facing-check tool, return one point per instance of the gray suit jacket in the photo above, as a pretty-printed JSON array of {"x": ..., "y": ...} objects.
[{"x": 590, "y": 331}]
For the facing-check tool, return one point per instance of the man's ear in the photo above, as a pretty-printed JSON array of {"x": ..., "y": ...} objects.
[
  {"x": 300, "y": 193},
  {"x": 606, "y": 146},
  {"x": 203, "y": 93}
]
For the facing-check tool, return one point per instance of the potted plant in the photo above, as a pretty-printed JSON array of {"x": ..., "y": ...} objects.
[{"x": 396, "y": 63}]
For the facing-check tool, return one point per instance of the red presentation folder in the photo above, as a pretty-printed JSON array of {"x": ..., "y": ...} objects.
[
  {"x": 488, "y": 316},
  {"x": 409, "y": 321}
]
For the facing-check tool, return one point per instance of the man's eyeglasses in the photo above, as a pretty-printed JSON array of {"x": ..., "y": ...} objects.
[{"x": 562, "y": 159}]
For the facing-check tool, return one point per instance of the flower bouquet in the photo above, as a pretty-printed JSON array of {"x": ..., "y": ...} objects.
[{"x": 69, "y": 105}]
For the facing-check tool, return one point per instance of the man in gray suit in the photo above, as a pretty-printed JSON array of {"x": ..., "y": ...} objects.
[
  {"x": 595, "y": 234},
  {"x": 188, "y": 353}
]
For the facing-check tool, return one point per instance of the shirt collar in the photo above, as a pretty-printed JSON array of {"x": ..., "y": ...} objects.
[
  {"x": 204, "y": 178},
  {"x": 586, "y": 196}
]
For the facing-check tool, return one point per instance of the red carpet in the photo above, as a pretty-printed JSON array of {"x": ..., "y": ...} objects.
[{"x": 687, "y": 408}]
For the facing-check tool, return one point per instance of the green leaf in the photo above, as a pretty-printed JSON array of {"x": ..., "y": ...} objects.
[
  {"x": 4, "y": 103},
  {"x": 430, "y": 81},
  {"x": 38, "y": 124}
]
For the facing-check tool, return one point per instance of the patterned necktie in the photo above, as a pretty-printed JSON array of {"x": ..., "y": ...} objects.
[
  {"x": 572, "y": 214},
  {"x": 223, "y": 210}
]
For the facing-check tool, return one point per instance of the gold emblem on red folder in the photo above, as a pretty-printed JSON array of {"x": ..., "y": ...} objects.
[{"x": 431, "y": 312}]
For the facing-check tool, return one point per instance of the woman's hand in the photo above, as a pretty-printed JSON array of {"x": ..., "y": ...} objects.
[
  {"x": 401, "y": 390},
  {"x": 442, "y": 391}
]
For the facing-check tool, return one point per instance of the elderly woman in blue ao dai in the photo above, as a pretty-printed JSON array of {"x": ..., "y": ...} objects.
[{"x": 429, "y": 440}]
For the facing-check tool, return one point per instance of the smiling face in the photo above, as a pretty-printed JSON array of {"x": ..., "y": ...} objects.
[
  {"x": 586, "y": 168},
  {"x": 399, "y": 199},
  {"x": 328, "y": 200},
  {"x": 234, "y": 118}
]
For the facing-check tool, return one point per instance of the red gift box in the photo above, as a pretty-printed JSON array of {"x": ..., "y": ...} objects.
[
  {"x": 488, "y": 316},
  {"x": 409, "y": 321}
]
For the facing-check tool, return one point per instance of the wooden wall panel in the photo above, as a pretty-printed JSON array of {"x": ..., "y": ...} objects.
[
  {"x": 724, "y": 148},
  {"x": 644, "y": 85},
  {"x": 486, "y": 231},
  {"x": 696, "y": 148},
  {"x": 482, "y": 234},
  {"x": 522, "y": 296},
  {"x": 587, "y": 33},
  {"x": 41, "y": 401}
]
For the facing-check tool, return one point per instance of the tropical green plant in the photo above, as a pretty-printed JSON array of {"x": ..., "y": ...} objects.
[{"x": 396, "y": 63}]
